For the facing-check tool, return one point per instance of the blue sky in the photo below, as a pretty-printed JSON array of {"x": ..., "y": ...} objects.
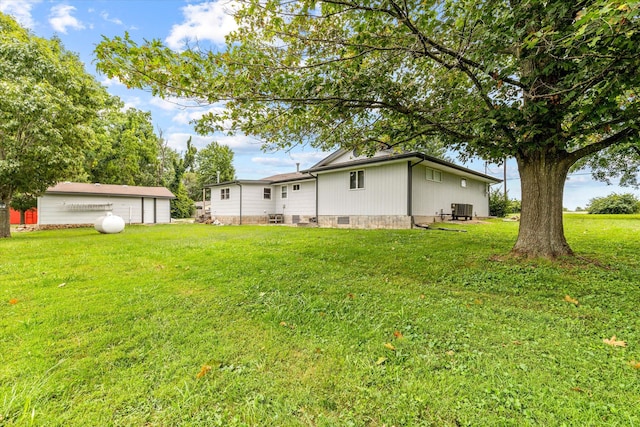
[{"x": 81, "y": 24}]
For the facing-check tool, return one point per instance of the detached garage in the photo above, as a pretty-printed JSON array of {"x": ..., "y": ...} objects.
[{"x": 75, "y": 203}]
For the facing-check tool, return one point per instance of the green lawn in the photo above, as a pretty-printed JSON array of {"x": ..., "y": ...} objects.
[{"x": 278, "y": 326}]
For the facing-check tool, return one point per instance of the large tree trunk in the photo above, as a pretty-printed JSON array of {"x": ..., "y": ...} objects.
[
  {"x": 5, "y": 224},
  {"x": 541, "y": 233}
]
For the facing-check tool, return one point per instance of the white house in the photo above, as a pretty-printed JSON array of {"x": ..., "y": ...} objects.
[
  {"x": 388, "y": 190},
  {"x": 288, "y": 198},
  {"x": 77, "y": 203}
]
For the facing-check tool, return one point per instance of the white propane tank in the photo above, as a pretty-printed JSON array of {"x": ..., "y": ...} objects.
[{"x": 109, "y": 224}]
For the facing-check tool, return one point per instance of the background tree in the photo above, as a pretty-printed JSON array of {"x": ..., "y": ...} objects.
[
  {"x": 182, "y": 206},
  {"x": 551, "y": 83},
  {"x": 614, "y": 204},
  {"x": 128, "y": 152},
  {"x": 47, "y": 105},
  {"x": 211, "y": 160}
]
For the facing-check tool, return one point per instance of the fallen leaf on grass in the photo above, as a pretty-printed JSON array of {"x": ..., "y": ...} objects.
[
  {"x": 350, "y": 295},
  {"x": 285, "y": 324},
  {"x": 613, "y": 342},
  {"x": 398, "y": 335},
  {"x": 381, "y": 360},
  {"x": 13, "y": 301},
  {"x": 203, "y": 371},
  {"x": 450, "y": 353},
  {"x": 573, "y": 301},
  {"x": 634, "y": 364},
  {"x": 389, "y": 346},
  {"x": 422, "y": 296},
  {"x": 62, "y": 285}
]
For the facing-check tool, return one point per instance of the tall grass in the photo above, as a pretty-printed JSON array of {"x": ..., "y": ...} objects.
[{"x": 230, "y": 326}]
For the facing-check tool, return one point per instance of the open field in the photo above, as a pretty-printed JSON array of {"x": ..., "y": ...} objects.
[{"x": 227, "y": 326}]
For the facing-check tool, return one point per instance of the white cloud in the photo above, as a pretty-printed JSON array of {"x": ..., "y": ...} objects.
[
  {"x": 170, "y": 104},
  {"x": 110, "y": 82},
  {"x": 176, "y": 104},
  {"x": 20, "y": 10},
  {"x": 133, "y": 102},
  {"x": 61, "y": 18},
  {"x": 178, "y": 140},
  {"x": 239, "y": 143},
  {"x": 288, "y": 162},
  {"x": 209, "y": 21},
  {"x": 187, "y": 116},
  {"x": 104, "y": 15}
]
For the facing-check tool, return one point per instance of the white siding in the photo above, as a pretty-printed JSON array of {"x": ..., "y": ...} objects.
[
  {"x": 67, "y": 209},
  {"x": 253, "y": 201},
  {"x": 301, "y": 202},
  {"x": 429, "y": 197},
  {"x": 384, "y": 192},
  {"x": 226, "y": 207}
]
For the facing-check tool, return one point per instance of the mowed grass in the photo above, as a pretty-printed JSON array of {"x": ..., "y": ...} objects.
[{"x": 279, "y": 326}]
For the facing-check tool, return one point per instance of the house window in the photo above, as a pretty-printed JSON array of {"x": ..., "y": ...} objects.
[
  {"x": 267, "y": 194},
  {"x": 463, "y": 182},
  {"x": 224, "y": 193},
  {"x": 434, "y": 175},
  {"x": 283, "y": 190},
  {"x": 296, "y": 187},
  {"x": 356, "y": 180}
]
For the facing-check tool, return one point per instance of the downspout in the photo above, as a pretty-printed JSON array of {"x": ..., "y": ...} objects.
[
  {"x": 410, "y": 189},
  {"x": 240, "y": 219}
]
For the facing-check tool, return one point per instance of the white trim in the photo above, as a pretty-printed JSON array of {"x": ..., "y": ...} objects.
[{"x": 359, "y": 179}]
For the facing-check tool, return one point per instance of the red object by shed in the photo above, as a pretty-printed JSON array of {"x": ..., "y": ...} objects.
[{"x": 30, "y": 216}]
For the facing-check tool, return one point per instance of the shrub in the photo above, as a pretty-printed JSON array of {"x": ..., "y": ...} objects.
[
  {"x": 614, "y": 204},
  {"x": 500, "y": 206},
  {"x": 497, "y": 204}
]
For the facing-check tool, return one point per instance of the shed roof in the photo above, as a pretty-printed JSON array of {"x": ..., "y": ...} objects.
[{"x": 110, "y": 190}]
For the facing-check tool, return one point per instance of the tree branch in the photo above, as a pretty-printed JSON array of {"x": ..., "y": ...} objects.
[{"x": 601, "y": 145}]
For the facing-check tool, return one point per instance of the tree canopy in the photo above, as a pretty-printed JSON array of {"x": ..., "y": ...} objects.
[
  {"x": 552, "y": 83},
  {"x": 212, "y": 160},
  {"x": 127, "y": 150},
  {"x": 47, "y": 105}
]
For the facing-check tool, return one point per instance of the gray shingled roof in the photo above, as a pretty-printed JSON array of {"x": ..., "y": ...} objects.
[
  {"x": 110, "y": 190},
  {"x": 291, "y": 176}
]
